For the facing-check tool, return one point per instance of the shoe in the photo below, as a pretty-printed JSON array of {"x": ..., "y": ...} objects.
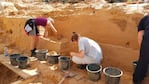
[
  {"x": 33, "y": 53},
  {"x": 139, "y": 82},
  {"x": 81, "y": 66}
]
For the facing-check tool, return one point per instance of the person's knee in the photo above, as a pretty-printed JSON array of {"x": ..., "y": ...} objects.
[
  {"x": 100, "y": 61},
  {"x": 76, "y": 60}
]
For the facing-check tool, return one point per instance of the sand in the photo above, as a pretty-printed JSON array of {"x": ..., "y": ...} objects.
[{"x": 113, "y": 26}]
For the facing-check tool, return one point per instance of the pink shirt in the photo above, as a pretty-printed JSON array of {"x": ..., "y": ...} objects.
[{"x": 41, "y": 21}]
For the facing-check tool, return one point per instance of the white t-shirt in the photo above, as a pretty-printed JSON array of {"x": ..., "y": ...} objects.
[{"x": 90, "y": 48}]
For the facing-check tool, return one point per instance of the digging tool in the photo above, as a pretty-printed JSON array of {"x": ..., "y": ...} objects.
[
  {"x": 67, "y": 75},
  {"x": 47, "y": 39}
]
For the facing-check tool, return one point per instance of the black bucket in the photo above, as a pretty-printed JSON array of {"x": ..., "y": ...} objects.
[
  {"x": 22, "y": 62},
  {"x": 134, "y": 67},
  {"x": 52, "y": 59},
  {"x": 64, "y": 62},
  {"x": 13, "y": 59},
  {"x": 41, "y": 54},
  {"x": 112, "y": 75},
  {"x": 94, "y": 71}
]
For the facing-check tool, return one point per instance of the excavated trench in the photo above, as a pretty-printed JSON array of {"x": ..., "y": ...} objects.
[
  {"x": 114, "y": 30},
  {"x": 7, "y": 76}
]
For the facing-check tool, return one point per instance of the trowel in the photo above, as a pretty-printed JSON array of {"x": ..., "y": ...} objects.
[
  {"x": 47, "y": 39},
  {"x": 67, "y": 75}
]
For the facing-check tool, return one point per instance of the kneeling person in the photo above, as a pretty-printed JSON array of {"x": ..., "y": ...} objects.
[{"x": 89, "y": 51}]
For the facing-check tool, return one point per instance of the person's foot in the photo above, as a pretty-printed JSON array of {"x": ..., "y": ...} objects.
[
  {"x": 139, "y": 82},
  {"x": 81, "y": 66},
  {"x": 33, "y": 53}
]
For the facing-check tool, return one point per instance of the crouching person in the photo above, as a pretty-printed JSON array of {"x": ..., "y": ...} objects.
[{"x": 89, "y": 51}]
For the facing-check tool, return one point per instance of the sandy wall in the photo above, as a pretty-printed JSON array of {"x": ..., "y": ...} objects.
[
  {"x": 16, "y": 37},
  {"x": 14, "y": 30},
  {"x": 104, "y": 26}
]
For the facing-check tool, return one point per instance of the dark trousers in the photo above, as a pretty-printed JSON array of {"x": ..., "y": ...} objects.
[
  {"x": 140, "y": 71},
  {"x": 143, "y": 62}
]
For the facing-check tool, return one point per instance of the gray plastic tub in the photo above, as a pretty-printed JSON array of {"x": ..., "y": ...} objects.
[
  {"x": 112, "y": 75},
  {"x": 64, "y": 62},
  {"x": 13, "y": 59},
  {"x": 22, "y": 62},
  {"x": 94, "y": 71},
  {"x": 52, "y": 59},
  {"x": 41, "y": 54}
]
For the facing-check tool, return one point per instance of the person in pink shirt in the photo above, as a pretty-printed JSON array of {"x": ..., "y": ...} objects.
[{"x": 31, "y": 28}]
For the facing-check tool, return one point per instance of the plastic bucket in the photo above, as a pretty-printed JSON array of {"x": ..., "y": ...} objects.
[
  {"x": 112, "y": 75},
  {"x": 41, "y": 54},
  {"x": 13, "y": 59},
  {"x": 134, "y": 67},
  {"x": 94, "y": 71},
  {"x": 64, "y": 62},
  {"x": 52, "y": 59},
  {"x": 22, "y": 62}
]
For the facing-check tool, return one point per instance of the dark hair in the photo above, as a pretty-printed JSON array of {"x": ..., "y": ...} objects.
[{"x": 74, "y": 36}]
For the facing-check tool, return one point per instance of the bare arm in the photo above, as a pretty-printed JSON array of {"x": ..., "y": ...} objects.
[
  {"x": 46, "y": 32},
  {"x": 78, "y": 54},
  {"x": 140, "y": 36},
  {"x": 49, "y": 25},
  {"x": 52, "y": 27}
]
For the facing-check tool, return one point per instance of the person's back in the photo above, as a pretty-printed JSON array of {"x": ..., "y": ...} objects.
[
  {"x": 41, "y": 21},
  {"x": 91, "y": 48}
]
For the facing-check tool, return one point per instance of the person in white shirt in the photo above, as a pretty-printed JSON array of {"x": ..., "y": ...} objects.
[{"x": 89, "y": 50}]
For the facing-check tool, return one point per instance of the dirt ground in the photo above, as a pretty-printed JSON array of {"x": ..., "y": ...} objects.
[{"x": 113, "y": 26}]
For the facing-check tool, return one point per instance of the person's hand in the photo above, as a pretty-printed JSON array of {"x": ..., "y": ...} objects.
[
  {"x": 55, "y": 33},
  {"x": 72, "y": 53},
  {"x": 45, "y": 34}
]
